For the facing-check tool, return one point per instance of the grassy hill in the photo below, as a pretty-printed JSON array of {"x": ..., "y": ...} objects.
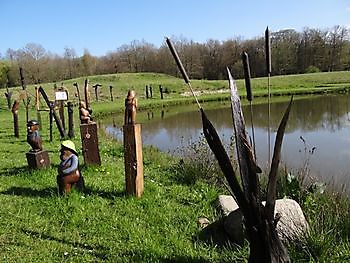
[{"x": 175, "y": 88}]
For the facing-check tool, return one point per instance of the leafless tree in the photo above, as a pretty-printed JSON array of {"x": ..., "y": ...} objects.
[{"x": 292, "y": 52}]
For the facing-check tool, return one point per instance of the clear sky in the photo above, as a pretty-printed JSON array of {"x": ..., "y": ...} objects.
[{"x": 101, "y": 26}]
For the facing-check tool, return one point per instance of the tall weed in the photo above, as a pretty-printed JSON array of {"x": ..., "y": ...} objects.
[{"x": 199, "y": 163}]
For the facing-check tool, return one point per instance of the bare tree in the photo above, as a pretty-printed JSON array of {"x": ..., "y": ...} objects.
[
  {"x": 32, "y": 58},
  {"x": 69, "y": 56},
  {"x": 255, "y": 49},
  {"x": 285, "y": 47},
  {"x": 211, "y": 56},
  {"x": 4, "y": 70},
  {"x": 88, "y": 63},
  {"x": 293, "y": 52},
  {"x": 312, "y": 50},
  {"x": 336, "y": 40}
]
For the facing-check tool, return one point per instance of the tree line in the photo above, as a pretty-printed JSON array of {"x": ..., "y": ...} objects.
[{"x": 293, "y": 52}]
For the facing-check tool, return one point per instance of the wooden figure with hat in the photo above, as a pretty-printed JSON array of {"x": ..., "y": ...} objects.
[{"x": 69, "y": 174}]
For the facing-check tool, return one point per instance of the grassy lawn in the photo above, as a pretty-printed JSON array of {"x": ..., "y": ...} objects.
[{"x": 102, "y": 224}]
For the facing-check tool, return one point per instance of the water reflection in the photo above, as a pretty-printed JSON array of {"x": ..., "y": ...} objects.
[{"x": 323, "y": 121}]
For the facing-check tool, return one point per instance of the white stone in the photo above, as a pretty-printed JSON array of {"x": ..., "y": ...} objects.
[
  {"x": 227, "y": 204},
  {"x": 203, "y": 222},
  {"x": 291, "y": 226}
]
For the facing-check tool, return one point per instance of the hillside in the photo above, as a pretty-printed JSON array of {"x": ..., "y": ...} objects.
[{"x": 175, "y": 88}]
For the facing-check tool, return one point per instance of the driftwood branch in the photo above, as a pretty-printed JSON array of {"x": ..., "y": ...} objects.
[
  {"x": 265, "y": 245},
  {"x": 248, "y": 168}
]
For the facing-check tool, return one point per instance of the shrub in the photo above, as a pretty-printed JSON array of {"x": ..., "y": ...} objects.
[{"x": 312, "y": 69}]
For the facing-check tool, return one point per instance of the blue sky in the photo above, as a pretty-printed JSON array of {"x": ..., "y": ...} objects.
[{"x": 104, "y": 25}]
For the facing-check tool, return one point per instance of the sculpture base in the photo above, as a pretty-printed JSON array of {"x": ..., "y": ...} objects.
[
  {"x": 38, "y": 160},
  {"x": 89, "y": 142},
  {"x": 133, "y": 159}
]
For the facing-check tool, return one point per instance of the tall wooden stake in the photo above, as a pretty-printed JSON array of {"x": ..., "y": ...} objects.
[
  {"x": 51, "y": 114},
  {"x": 14, "y": 110},
  {"x": 70, "y": 120},
  {"x": 96, "y": 90},
  {"x": 75, "y": 84},
  {"x": 37, "y": 99},
  {"x": 24, "y": 87},
  {"x": 111, "y": 92},
  {"x": 86, "y": 93}
]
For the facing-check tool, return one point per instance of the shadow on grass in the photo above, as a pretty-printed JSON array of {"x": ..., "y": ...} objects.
[
  {"x": 105, "y": 254},
  {"x": 29, "y": 192},
  {"x": 143, "y": 255},
  {"x": 53, "y": 191},
  {"x": 17, "y": 171},
  {"x": 104, "y": 194},
  {"x": 100, "y": 252},
  {"x": 180, "y": 259}
]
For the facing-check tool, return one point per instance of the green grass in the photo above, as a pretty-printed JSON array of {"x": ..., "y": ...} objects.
[{"x": 103, "y": 224}]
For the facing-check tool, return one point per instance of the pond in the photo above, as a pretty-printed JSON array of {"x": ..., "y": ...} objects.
[{"x": 317, "y": 137}]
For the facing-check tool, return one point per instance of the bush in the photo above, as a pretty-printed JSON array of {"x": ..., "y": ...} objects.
[{"x": 312, "y": 69}]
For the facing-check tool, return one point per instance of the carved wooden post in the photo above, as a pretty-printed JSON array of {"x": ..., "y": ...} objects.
[
  {"x": 14, "y": 110},
  {"x": 96, "y": 93},
  {"x": 37, "y": 157},
  {"x": 132, "y": 148},
  {"x": 161, "y": 91},
  {"x": 75, "y": 84},
  {"x": 51, "y": 107},
  {"x": 8, "y": 95},
  {"x": 89, "y": 138},
  {"x": 96, "y": 90},
  {"x": 86, "y": 93},
  {"x": 111, "y": 92},
  {"x": 89, "y": 142},
  {"x": 70, "y": 120},
  {"x": 146, "y": 92},
  {"x": 37, "y": 99},
  {"x": 61, "y": 113},
  {"x": 38, "y": 116},
  {"x": 24, "y": 87}
]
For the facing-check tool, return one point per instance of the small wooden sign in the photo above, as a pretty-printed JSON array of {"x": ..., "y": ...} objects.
[{"x": 61, "y": 95}]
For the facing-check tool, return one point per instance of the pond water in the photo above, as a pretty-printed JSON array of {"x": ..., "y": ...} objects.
[{"x": 317, "y": 135}]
